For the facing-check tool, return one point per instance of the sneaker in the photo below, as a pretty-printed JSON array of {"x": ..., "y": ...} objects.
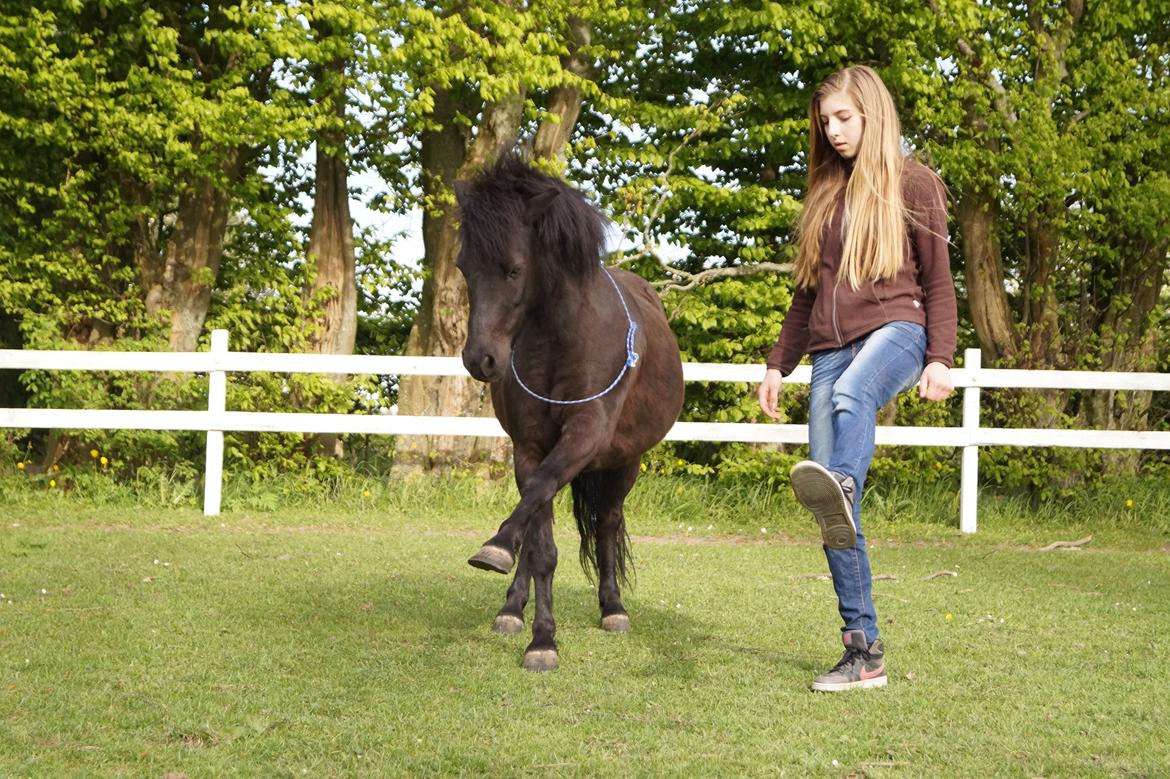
[
  {"x": 860, "y": 666},
  {"x": 829, "y": 496}
]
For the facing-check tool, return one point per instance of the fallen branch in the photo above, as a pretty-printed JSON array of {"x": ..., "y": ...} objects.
[
  {"x": 885, "y": 577},
  {"x": 1066, "y": 544},
  {"x": 937, "y": 574}
]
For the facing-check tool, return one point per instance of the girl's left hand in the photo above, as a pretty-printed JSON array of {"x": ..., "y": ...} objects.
[{"x": 935, "y": 383}]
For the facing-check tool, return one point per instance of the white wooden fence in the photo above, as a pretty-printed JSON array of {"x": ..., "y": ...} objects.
[{"x": 218, "y": 362}]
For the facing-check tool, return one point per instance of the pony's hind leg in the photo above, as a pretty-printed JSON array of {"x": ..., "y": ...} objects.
[
  {"x": 541, "y": 552},
  {"x": 510, "y": 619},
  {"x": 613, "y": 547}
]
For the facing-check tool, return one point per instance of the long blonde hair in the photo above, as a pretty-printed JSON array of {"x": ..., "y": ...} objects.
[{"x": 875, "y": 230}]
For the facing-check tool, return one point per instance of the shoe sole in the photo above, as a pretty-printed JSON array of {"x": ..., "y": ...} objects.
[
  {"x": 863, "y": 684},
  {"x": 819, "y": 492}
]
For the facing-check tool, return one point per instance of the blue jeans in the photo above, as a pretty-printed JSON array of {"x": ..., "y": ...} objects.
[{"x": 848, "y": 387}]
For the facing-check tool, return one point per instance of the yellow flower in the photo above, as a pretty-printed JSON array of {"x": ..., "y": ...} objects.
[
  {"x": 93, "y": 453},
  {"x": 52, "y": 483},
  {"x": 104, "y": 461},
  {"x": 20, "y": 466},
  {"x": 1129, "y": 503},
  {"x": 56, "y": 468},
  {"x": 950, "y": 617},
  {"x": 365, "y": 493},
  {"x": 642, "y": 466},
  {"x": 937, "y": 465}
]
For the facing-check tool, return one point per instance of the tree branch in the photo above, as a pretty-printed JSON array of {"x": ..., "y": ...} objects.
[{"x": 988, "y": 78}]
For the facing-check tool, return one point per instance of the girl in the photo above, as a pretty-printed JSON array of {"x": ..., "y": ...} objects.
[{"x": 875, "y": 309}]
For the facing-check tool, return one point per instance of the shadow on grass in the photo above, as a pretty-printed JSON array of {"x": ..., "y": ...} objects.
[{"x": 443, "y": 619}]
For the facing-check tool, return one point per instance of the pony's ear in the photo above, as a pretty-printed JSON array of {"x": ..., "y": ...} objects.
[{"x": 535, "y": 208}]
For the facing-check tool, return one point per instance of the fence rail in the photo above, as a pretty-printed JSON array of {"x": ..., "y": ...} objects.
[{"x": 218, "y": 362}]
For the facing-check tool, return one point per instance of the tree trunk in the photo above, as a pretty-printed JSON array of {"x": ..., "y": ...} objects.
[
  {"x": 178, "y": 281},
  {"x": 564, "y": 105},
  {"x": 1129, "y": 342},
  {"x": 978, "y": 216},
  {"x": 331, "y": 253},
  {"x": 440, "y": 326},
  {"x": 1041, "y": 309},
  {"x": 331, "y": 287}
]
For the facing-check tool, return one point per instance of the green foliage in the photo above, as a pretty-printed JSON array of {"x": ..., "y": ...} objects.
[{"x": 692, "y": 135}]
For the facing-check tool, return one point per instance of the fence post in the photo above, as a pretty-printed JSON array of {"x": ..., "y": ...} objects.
[
  {"x": 216, "y": 402},
  {"x": 969, "y": 493}
]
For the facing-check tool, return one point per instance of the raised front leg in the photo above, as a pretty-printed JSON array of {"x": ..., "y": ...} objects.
[
  {"x": 541, "y": 553},
  {"x": 577, "y": 445}
]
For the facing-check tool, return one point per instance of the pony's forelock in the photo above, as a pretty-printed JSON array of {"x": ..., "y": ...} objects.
[{"x": 511, "y": 197}]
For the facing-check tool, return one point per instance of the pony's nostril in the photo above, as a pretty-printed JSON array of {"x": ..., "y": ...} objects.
[{"x": 488, "y": 365}]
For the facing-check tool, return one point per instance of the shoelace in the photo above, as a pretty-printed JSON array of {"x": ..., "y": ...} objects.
[{"x": 848, "y": 658}]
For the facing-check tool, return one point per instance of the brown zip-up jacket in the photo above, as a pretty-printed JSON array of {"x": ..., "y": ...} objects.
[{"x": 923, "y": 291}]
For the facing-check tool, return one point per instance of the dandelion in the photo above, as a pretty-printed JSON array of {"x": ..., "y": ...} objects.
[
  {"x": 20, "y": 466},
  {"x": 937, "y": 465},
  {"x": 52, "y": 483},
  {"x": 104, "y": 461},
  {"x": 1129, "y": 503},
  {"x": 93, "y": 453},
  {"x": 643, "y": 467},
  {"x": 56, "y": 468},
  {"x": 365, "y": 493},
  {"x": 950, "y": 617}
]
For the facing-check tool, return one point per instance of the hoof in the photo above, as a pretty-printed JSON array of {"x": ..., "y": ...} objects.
[
  {"x": 616, "y": 623},
  {"x": 541, "y": 660},
  {"x": 492, "y": 558},
  {"x": 507, "y": 624}
]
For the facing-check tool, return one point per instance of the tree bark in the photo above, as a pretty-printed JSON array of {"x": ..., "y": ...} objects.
[
  {"x": 440, "y": 327},
  {"x": 331, "y": 287},
  {"x": 178, "y": 281},
  {"x": 564, "y": 105},
  {"x": 1129, "y": 342},
  {"x": 978, "y": 216}
]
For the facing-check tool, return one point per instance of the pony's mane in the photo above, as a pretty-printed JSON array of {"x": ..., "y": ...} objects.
[{"x": 503, "y": 200}]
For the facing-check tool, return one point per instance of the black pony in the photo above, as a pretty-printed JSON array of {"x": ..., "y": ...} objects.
[{"x": 585, "y": 376}]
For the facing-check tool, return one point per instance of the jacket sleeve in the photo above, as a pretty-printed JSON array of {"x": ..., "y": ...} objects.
[
  {"x": 928, "y": 229},
  {"x": 793, "y": 340}
]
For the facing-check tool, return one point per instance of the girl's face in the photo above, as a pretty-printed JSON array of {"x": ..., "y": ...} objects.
[{"x": 842, "y": 124}]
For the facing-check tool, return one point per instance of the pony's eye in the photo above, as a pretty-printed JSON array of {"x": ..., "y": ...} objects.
[{"x": 513, "y": 273}]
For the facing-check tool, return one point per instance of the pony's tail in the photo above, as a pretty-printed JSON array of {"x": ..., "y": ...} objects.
[{"x": 587, "y": 491}]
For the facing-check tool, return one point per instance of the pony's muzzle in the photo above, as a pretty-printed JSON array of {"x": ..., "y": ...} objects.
[{"x": 482, "y": 365}]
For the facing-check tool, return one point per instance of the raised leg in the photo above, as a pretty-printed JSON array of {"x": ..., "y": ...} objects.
[
  {"x": 541, "y": 551},
  {"x": 573, "y": 451}
]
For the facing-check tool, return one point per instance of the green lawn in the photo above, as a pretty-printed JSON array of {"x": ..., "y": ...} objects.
[{"x": 349, "y": 638}]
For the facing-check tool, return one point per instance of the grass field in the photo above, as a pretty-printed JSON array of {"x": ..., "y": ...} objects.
[{"x": 346, "y": 636}]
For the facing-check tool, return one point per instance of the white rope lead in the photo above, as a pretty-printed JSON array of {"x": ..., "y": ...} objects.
[{"x": 631, "y": 356}]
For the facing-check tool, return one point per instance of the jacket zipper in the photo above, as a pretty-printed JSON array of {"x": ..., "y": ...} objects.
[
  {"x": 836, "y": 323},
  {"x": 837, "y": 278}
]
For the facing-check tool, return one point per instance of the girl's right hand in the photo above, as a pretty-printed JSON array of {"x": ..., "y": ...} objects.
[{"x": 769, "y": 393}]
